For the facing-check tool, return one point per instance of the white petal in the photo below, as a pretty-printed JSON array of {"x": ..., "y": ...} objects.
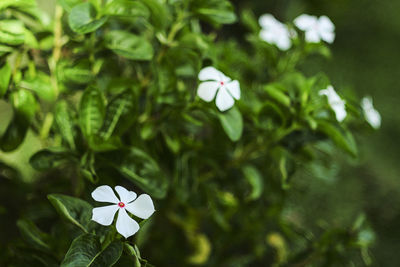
[
  {"x": 224, "y": 100},
  {"x": 126, "y": 226},
  {"x": 234, "y": 89},
  {"x": 104, "y": 193},
  {"x": 284, "y": 42},
  {"x": 326, "y": 29},
  {"x": 211, "y": 73},
  {"x": 142, "y": 207},
  {"x": 305, "y": 22},
  {"x": 331, "y": 94},
  {"x": 325, "y": 24},
  {"x": 371, "y": 114},
  {"x": 268, "y": 36},
  {"x": 125, "y": 195},
  {"x": 312, "y": 36},
  {"x": 207, "y": 90},
  {"x": 327, "y": 36},
  {"x": 267, "y": 21},
  {"x": 340, "y": 111},
  {"x": 366, "y": 103},
  {"x": 374, "y": 119},
  {"x": 104, "y": 215}
]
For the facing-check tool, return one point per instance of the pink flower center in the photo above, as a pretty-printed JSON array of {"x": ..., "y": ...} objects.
[
  {"x": 222, "y": 83},
  {"x": 121, "y": 204}
]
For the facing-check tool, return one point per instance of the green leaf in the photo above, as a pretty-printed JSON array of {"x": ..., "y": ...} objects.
[
  {"x": 24, "y": 103},
  {"x": 25, "y": 107},
  {"x": 255, "y": 180},
  {"x": 72, "y": 209},
  {"x": 275, "y": 91},
  {"x": 15, "y": 133},
  {"x": 17, "y": 3},
  {"x": 217, "y": 16},
  {"x": 126, "y": 8},
  {"x": 47, "y": 159},
  {"x": 62, "y": 115},
  {"x": 119, "y": 115},
  {"x": 160, "y": 16},
  {"x": 69, "y": 4},
  {"x": 216, "y": 11},
  {"x": 343, "y": 139},
  {"x": 133, "y": 251},
  {"x": 86, "y": 251},
  {"x": 12, "y": 32},
  {"x": 137, "y": 166},
  {"x": 91, "y": 112},
  {"x": 82, "y": 18},
  {"x": 5, "y": 76},
  {"x": 79, "y": 73},
  {"x": 232, "y": 123},
  {"x": 129, "y": 45},
  {"x": 41, "y": 85},
  {"x": 33, "y": 235}
]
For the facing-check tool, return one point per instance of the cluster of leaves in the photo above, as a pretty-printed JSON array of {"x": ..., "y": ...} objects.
[{"x": 110, "y": 89}]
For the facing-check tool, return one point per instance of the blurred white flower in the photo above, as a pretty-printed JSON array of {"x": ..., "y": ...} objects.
[
  {"x": 141, "y": 207},
  {"x": 216, "y": 83},
  {"x": 274, "y": 32},
  {"x": 370, "y": 113},
  {"x": 336, "y": 103},
  {"x": 316, "y": 29}
]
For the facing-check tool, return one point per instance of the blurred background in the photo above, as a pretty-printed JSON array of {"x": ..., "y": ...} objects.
[{"x": 365, "y": 59}]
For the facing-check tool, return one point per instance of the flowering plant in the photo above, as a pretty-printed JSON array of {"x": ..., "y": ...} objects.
[{"x": 104, "y": 93}]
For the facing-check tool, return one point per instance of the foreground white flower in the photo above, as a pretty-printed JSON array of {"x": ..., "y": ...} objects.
[
  {"x": 316, "y": 29},
  {"x": 274, "y": 32},
  {"x": 371, "y": 114},
  {"x": 141, "y": 207},
  {"x": 216, "y": 83},
  {"x": 337, "y": 104}
]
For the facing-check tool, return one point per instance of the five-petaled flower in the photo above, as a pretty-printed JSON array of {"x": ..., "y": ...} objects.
[
  {"x": 216, "y": 83},
  {"x": 336, "y": 103},
  {"x": 316, "y": 29},
  {"x": 141, "y": 207},
  {"x": 370, "y": 113},
  {"x": 275, "y": 32}
]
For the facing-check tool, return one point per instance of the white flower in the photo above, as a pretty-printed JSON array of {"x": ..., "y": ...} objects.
[
  {"x": 216, "y": 83},
  {"x": 336, "y": 103},
  {"x": 371, "y": 114},
  {"x": 316, "y": 29},
  {"x": 274, "y": 32},
  {"x": 141, "y": 207}
]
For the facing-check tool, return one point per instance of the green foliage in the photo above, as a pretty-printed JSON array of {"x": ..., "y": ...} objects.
[
  {"x": 86, "y": 251},
  {"x": 109, "y": 90}
]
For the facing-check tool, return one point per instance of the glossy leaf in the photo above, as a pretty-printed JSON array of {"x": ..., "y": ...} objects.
[
  {"x": 129, "y": 45},
  {"x": 119, "y": 115},
  {"x": 63, "y": 119},
  {"x": 5, "y": 76},
  {"x": 86, "y": 251},
  {"x": 126, "y": 8},
  {"x": 82, "y": 18},
  {"x": 72, "y": 209},
  {"x": 232, "y": 123},
  {"x": 41, "y": 85},
  {"x": 12, "y": 32},
  {"x": 91, "y": 112},
  {"x": 47, "y": 159}
]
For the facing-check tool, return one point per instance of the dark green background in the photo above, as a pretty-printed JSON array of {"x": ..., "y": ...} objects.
[{"x": 366, "y": 58}]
